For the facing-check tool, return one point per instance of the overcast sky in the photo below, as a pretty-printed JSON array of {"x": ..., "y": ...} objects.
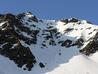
[{"x": 54, "y": 9}]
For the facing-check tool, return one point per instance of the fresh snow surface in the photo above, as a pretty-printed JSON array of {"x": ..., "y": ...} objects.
[
  {"x": 69, "y": 62},
  {"x": 1, "y": 24}
]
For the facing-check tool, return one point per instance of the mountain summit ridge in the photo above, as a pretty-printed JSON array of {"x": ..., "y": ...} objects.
[{"x": 31, "y": 42}]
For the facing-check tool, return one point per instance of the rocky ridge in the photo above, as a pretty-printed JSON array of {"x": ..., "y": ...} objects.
[{"x": 20, "y": 34}]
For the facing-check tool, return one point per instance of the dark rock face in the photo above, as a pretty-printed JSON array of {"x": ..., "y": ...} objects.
[
  {"x": 91, "y": 47},
  {"x": 10, "y": 42},
  {"x": 41, "y": 65},
  {"x": 48, "y": 36},
  {"x": 33, "y": 18},
  {"x": 65, "y": 20},
  {"x": 68, "y": 43},
  {"x": 71, "y": 20},
  {"x": 79, "y": 42}
]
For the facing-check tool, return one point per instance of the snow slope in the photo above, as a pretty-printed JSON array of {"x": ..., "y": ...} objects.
[{"x": 57, "y": 57}]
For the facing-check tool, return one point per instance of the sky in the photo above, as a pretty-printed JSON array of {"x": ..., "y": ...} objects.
[{"x": 53, "y": 9}]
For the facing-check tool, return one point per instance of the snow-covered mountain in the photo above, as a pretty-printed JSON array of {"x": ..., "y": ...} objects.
[{"x": 29, "y": 45}]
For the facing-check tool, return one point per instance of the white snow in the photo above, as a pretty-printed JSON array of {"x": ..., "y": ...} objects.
[
  {"x": 94, "y": 57},
  {"x": 77, "y": 65},
  {"x": 2, "y": 23}
]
